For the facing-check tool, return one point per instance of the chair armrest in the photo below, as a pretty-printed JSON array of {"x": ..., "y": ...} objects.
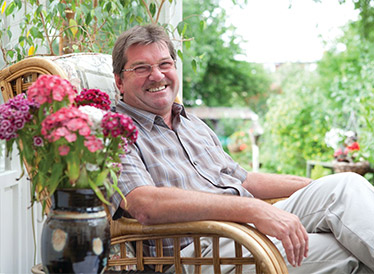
[{"x": 265, "y": 255}]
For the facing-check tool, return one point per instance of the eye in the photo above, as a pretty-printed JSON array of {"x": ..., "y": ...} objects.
[
  {"x": 142, "y": 69},
  {"x": 166, "y": 65}
]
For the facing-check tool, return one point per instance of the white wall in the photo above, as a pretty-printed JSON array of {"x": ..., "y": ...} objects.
[{"x": 16, "y": 218}]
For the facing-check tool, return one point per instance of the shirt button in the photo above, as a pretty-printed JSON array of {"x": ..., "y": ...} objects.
[{"x": 195, "y": 163}]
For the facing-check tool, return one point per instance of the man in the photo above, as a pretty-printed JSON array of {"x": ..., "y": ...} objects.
[{"x": 177, "y": 171}]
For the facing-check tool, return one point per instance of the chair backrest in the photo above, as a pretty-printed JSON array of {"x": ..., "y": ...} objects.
[{"x": 83, "y": 70}]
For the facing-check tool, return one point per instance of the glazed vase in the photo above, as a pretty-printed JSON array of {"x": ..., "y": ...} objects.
[{"x": 76, "y": 234}]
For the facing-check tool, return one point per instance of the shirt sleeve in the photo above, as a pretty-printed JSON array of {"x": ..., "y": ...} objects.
[{"x": 134, "y": 174}]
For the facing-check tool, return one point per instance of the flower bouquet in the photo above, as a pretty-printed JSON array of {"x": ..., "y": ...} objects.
[
  {"x": 347, "y": 153},
  {"x": 66, "y": 140}
]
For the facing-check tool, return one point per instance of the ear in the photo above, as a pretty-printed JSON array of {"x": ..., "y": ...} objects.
[{"x": 119, "y": 82}]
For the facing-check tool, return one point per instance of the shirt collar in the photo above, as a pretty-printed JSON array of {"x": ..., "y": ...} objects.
[{"x": 145, "y": 118}]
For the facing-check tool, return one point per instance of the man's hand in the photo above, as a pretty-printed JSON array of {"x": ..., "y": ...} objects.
[
  {"x": 287, "y": 228},
  {"x": 154, "y": 205}
]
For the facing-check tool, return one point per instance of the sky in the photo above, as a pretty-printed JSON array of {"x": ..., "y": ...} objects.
[{"x": 276, "y": 33}]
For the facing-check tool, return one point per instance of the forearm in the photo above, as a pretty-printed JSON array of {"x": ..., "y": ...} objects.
[
  {"x": 151, "y": 205},
  {"x": 267, "y": 186}
]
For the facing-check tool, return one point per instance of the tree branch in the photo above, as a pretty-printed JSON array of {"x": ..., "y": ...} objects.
[
  {"x": 159, "y": 10},
  {"x": 45, "y": 29},
  {"x": 148, "y": 11}
]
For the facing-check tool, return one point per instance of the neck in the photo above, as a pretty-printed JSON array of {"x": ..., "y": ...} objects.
[{"x": 168, "y": 119}]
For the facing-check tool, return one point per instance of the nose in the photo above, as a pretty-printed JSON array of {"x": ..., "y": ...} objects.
[{"x": 156, "y": 74}]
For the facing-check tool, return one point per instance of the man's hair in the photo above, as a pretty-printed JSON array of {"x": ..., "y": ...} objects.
[{"x": 138, "y": 35}]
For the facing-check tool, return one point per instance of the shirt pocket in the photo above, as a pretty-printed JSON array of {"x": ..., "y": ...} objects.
[{"x": 216, "y": 157}]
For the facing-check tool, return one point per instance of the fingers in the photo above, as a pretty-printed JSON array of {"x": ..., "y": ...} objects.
[
  {"x": 296, "y": 245},
  {"x": 290, "y": 251}
]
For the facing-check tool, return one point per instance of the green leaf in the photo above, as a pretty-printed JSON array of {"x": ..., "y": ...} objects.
[
  {"x": 73, "y": 27},
  {"x": 108, "y": 6},
  {"x": 114, "y": 177},
  {"x": 194, "y": 65},
  {"x": 57, "y": 174},
  {"x": 10, "y": 53},
  {"x": 101, "y": 177},
  {"x": 180, "y": 54},
  {"x": 18, "y": 3},
  {"x": 21, "y": 39},
  {"x": 132, "y": 18},
  {"x": 97, "y": 191},
  {"x": 202, "y": 25},
  {"x": 139, "y": 19},
  {"x": 39, "y": 10},
  {"x": 181, "y": 28},
  {"x": 36, "y": 33},
  {"x": 73, "y": 166},
  {"x": 9, "y": 10},
  {"x": 152, "y": 9},
  {"x": 88, "y": 18},
  {"x": 61, "y": 8}
]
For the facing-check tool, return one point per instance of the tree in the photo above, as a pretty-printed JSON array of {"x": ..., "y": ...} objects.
[
  {"x": 55, "y": 27},
  {"x": 217, "y": 77},
  {"x": 295, "y": 124}
]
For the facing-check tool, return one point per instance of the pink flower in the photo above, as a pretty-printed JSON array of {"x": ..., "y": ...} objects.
[
  {"x": 338, "y": 152},
  {"x": 14, "y": 115},
  {"x": 66, "y": 123},
  {"x": 116, "y": 124},
  {"x": 71, "y": 137},
  {"x": 38, "y": 141},
  {"x": 93, "y": 97},
  {"x": 49, "y": 88},
  {"x": 63, "y": 150},
  {"x": 85, "y": 130},
  {"x": 93, "y": 144},
  {"x": 76, "y": 124}
]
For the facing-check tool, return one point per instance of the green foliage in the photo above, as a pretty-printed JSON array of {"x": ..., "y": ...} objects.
[
  {"x": 314, "y": 102},
  {"x": 295, "y": 124},
  {"x": 216, "y": 76},
  {"x": 61, "y": 27},
  {"x": 351, "y": 89},
  {"x": 319, "y": 171}
]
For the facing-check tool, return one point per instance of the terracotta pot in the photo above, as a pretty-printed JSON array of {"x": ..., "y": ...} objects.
[{"x": 76, "y": 234}]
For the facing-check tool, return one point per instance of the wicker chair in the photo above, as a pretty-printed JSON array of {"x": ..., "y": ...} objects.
[{"x": 88, "y": 70}]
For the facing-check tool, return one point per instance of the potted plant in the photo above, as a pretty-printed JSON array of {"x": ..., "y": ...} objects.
[
  {"x": 72, "y": 147},
  {"x": 347, "y": 153}
]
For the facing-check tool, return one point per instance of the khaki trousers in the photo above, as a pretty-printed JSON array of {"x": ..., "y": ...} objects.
[{"x": 338, "y": 213}]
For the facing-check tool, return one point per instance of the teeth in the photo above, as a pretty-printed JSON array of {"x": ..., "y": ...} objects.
[{"x": 157, "y": 89}]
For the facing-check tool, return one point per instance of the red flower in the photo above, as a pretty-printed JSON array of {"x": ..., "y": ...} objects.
[
  {"x": 354, "y": 146},
  {"x": 93, "y": 97}
]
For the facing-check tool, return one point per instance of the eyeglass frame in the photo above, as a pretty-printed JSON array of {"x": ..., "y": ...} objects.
[{"x": 151, "y": 66}]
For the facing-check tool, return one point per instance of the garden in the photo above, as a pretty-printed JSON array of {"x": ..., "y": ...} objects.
[
  {"x": 298, "y": 107},
  {"x": 307, "y": 114}
]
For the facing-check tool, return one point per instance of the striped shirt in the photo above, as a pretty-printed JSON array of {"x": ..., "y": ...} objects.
[{"x": 188, "y": 157}]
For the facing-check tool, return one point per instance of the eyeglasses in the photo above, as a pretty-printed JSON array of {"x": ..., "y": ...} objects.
[{"x": 146, "y": 69}]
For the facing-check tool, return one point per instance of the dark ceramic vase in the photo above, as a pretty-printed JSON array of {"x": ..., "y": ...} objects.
[{"x": 76, "y": 235}]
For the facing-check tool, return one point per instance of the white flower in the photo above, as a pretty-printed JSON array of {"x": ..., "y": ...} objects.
[
  {"x": 334, "y": 137},
  {"x": 92, "y": 167},
  {"x": 95, "y": 115}
]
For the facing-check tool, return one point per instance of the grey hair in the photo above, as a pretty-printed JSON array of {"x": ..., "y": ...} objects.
[{"x": 138, "y": 35}]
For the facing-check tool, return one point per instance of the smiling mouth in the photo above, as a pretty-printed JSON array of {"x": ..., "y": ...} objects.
[{"x": 156, "y": 89}]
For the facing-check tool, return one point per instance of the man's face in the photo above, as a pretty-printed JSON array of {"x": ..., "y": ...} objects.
[{"x": 157, "y": 91}]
